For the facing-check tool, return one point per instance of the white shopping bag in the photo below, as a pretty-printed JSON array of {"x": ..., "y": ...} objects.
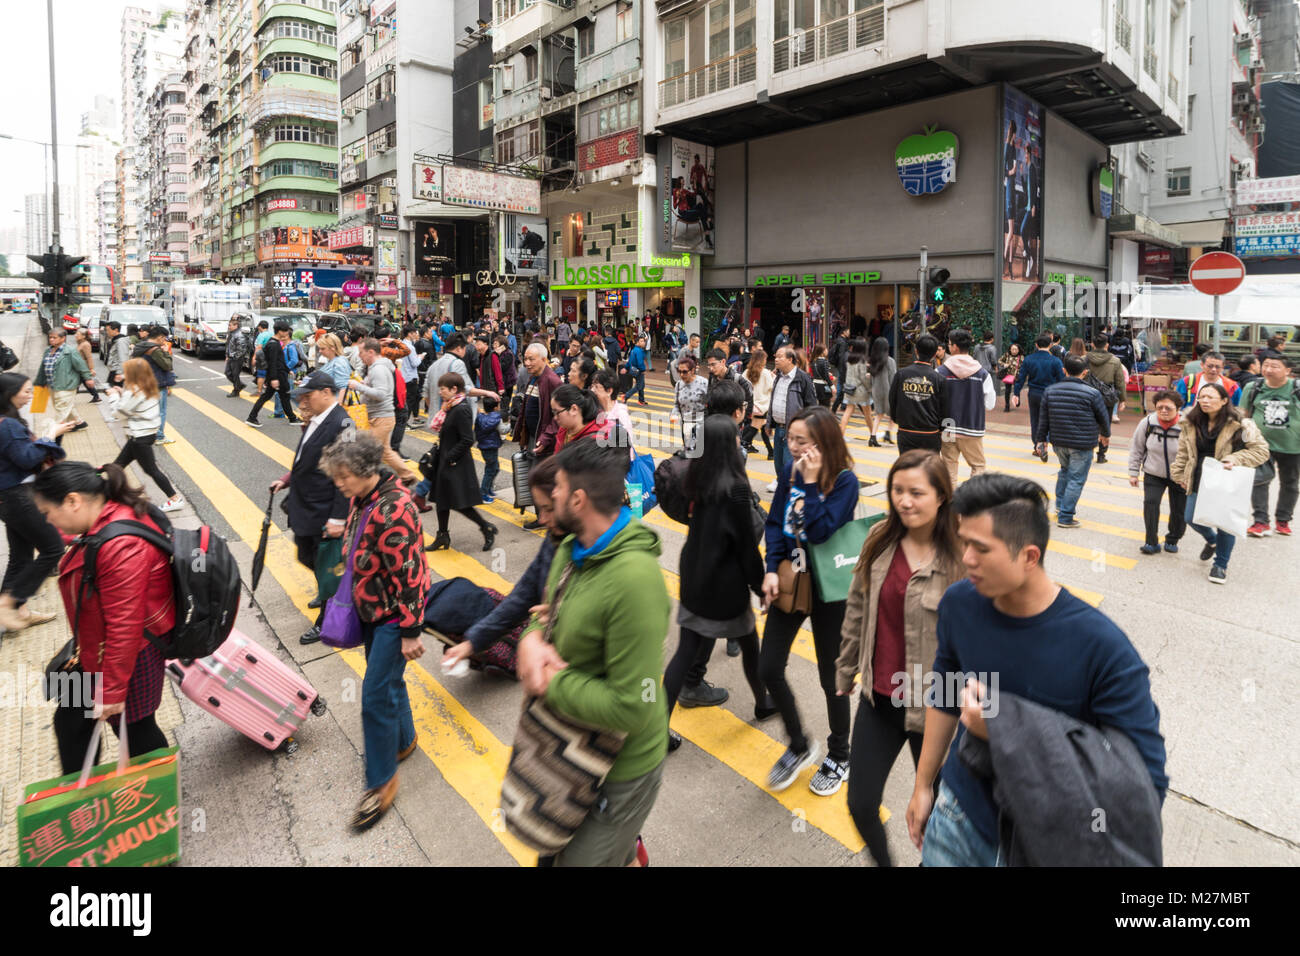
[{"x": 1223, "y": 499}]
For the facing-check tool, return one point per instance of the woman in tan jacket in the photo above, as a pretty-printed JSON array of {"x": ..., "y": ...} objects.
[
  {"x": 888, "y": 637},
  {"x": 1214, "y": 427}
]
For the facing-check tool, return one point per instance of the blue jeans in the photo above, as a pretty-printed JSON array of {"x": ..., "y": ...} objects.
[
  {"x": 1221, "y": 540},
  {"x": 780, "y": 452},
  {"x": 423, "y": 488},
  {"x": 1075, "y": 463},
  {"x": 491, "y": 468},
  {"x": 951, "y": 839},
  {"x": 638, "y": 385},
  {"x": 386, "y": 721},
  {"x": 162, "y": 411}
]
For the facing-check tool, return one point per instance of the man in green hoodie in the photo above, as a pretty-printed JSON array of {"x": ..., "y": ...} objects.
[{"x": 605, "y": 664}]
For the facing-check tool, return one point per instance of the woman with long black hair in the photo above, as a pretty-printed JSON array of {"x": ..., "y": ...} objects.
[
  {"x": 719, "y": 564},
  {"x": 34, "y": 546},
  {"x": 857, "y": 387},
  {"x": 883, "y": 368},
  {"x": 457, "y": 488},
  {"x": 816, "y": 494},
  {"x": 132, "y": 593},
  {"x": 908, "y": 561}
]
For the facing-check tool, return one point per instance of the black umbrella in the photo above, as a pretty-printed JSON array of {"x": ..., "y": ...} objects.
[{"x": 259, "y": 559}]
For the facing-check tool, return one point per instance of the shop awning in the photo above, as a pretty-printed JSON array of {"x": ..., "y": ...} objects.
[
  {"x": 1275, "y": 301},
  {"x": 1142, "y": 228},
  {"x": 1207, "y": 232}
]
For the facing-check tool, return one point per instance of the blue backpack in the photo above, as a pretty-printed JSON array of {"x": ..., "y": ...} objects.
[{"x": 292, "y": 358}]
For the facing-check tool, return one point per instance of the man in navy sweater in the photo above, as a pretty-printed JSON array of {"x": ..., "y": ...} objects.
[
  {"x": 1039, "y": 369},
  {"x": 1076, "y": 418},
  {"x": 1008, "y": 628}
]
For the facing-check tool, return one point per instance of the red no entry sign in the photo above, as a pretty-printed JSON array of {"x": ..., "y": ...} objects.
[{"x": 1216, "y": 273}]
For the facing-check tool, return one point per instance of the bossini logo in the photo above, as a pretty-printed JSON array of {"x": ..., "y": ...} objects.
[
  {"x": 843, "y": 560},
  {"x": 76, "y": 909}
]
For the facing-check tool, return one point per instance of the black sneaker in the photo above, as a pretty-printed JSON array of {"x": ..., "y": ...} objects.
[
  {"x": 829, "y": 777},
  {"x": 733, "y": 647},
  {"x": 81, "y": 426},
  {"x": 252, "y": 424},
  {"x": 789, "y": 766},
  {"x": 1218, "y": 575},
  {"x": 674, "y": 740},
  {"x": 704, "y": 695},
  {"x": 1072, "y": 523},
  {"x": 766, "y": 710},
  {"x": 1207, "y": 552}
]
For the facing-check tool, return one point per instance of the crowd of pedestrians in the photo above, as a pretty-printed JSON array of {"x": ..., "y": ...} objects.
[{"x": 952, "y": 581}]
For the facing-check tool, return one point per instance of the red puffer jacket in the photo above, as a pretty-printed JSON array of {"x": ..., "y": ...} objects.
[{"x": 133, "y": 591}]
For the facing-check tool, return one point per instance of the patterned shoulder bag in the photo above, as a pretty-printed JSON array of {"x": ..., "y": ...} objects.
[{"x": 557, "y": 766}]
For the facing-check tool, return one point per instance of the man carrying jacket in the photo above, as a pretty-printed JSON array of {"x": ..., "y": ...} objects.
[
  {"x": 1076, "y": 420},
  {"x": 154, "y": 348},
  {"x": 1039, "y": 370},
  {"x": 971, "y": 393},
  {"x": 792, "y": 391},
  {"x": 62, "y": 371},
  {"x": 1009, "y": 622},
  {"x": 918, "y": 400},
  {"x": 317, "y": 509}
]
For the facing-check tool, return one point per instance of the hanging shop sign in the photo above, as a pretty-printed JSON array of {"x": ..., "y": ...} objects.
[
  {"x": 428, "y": 181},
  {"x": 351, "y": 237},
  {"x": 1255, "y": 192},
  {"x": 927, "y": 161},
  {"x": 1103, "y": 192},
  {"x": 275, "y": 205},
  {"x": 387, "y": 220},
  {"x": 1268, "y": 224},
  {"x": 622, "y": 276},
  {"x": 294, "y": 242},
  {"x": 355, "y": 289},
  {"x": 816, "y": 278},
  {"x": 609, "y": 150},
  {"x": 1267, "y": 247}
]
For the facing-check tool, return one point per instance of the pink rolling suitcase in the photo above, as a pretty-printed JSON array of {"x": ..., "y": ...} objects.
[{"x": 250, "y": 689}]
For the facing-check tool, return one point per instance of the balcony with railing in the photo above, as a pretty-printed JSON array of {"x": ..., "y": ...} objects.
[
  {"x": 1151, "y": 62},
  {"x": 860, "y": 30},
  {"x": 706, "y": 80},
  {"x": 1123, "y": 33},
  {"x": 1173, "y": 87}
]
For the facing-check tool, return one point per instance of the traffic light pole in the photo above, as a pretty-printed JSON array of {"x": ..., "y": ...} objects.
[{"x": 54, "y": 131}]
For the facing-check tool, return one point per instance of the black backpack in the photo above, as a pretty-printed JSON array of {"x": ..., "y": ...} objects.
[
  {"x": 205, "y": 583},
  {"x": 1107, "y": 390},
  {"x": 670, "y": 486}
]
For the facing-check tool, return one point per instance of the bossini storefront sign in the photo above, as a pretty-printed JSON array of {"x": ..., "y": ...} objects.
[
  {"x": 609, "y": 276},
  {"x": 817, "y": 278}
]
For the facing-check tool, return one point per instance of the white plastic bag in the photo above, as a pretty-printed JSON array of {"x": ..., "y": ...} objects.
[{"x": 1223, "y": 498}]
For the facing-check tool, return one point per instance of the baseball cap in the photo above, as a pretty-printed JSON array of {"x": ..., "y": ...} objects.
[{"x": 315, "y": 382}]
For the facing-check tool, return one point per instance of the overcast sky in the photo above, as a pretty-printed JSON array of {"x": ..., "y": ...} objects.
[{"x": 87, "y": 48}]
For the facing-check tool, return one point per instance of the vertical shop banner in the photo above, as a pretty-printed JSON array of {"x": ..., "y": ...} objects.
[
  {"x": 525, "y": 245},
  {"x": 435, "y": 249},
  {"x": 686, "y": 190},
  {"x": 1022, "y": 190},
  {"x": 814, "y": 318},
  {"x": 386, "y": 254}
]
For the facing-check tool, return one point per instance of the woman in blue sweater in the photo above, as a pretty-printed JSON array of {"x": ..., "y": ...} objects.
[{"x": 816, "y": 495}]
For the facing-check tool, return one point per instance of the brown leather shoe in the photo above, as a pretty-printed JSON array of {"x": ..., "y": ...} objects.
[
  {"x": 374, "y": 804},
  {"x": 403, "y": 754}
]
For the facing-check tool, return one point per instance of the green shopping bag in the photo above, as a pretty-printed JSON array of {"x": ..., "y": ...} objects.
[
  {"x": 122, "y": 814},
  {"x": 329, "y": 567},
  {"x": 834, "y": 559}
]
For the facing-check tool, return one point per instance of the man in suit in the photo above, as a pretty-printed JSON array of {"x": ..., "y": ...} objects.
[
  {"x": 317, "y": 510},
  {"x": 277, "y": 377}
]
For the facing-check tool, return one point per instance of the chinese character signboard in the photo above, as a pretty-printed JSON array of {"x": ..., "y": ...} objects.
[
  {"x": 1267, "y": 247},
  {"x": 1258, "y": 192},
  {"x": 686, "y": 189},
  {"x": 1268, "y": 224},
  {"x": 428, "y": 182},
  {"x": 609, "y": 150},
  {"x": 351, "y": 237},
  {"x": 294, "y": 243},
  {"x": 484, "y": 190}
]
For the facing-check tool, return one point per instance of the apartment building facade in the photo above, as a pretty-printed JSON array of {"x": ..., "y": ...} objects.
[
  {"x": 164, "y": 232},
  {"x": 202, "y": 94}
]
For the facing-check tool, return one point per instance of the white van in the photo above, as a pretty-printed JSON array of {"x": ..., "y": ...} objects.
[{"x": 201, "y": 311}]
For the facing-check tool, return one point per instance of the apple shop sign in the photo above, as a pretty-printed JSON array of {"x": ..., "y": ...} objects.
[{"x": 815, "y": 279}]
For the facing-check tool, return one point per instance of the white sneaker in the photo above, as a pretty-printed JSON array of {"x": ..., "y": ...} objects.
[
  {"x": 771, "y": 487},
  {"x": 174, "y": 503}
]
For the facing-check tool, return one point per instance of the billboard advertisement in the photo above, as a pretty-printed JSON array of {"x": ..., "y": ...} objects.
[
  {"x": 485, "y": 190},
  {"x": 435, "y": 249},
  {"x": 1022, "y": 189},
  {"x": 686, "y": 188},
  {"x": 526, "y": 245},
  {"x": 386, "y": 254},
  {"x": 294, "y": 243}
]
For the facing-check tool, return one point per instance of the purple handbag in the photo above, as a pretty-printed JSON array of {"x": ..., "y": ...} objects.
[{"x": 341, "y": 627}]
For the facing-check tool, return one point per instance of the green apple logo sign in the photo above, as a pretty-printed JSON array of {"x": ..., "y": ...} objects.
[{"x": 927, "y": 162}]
